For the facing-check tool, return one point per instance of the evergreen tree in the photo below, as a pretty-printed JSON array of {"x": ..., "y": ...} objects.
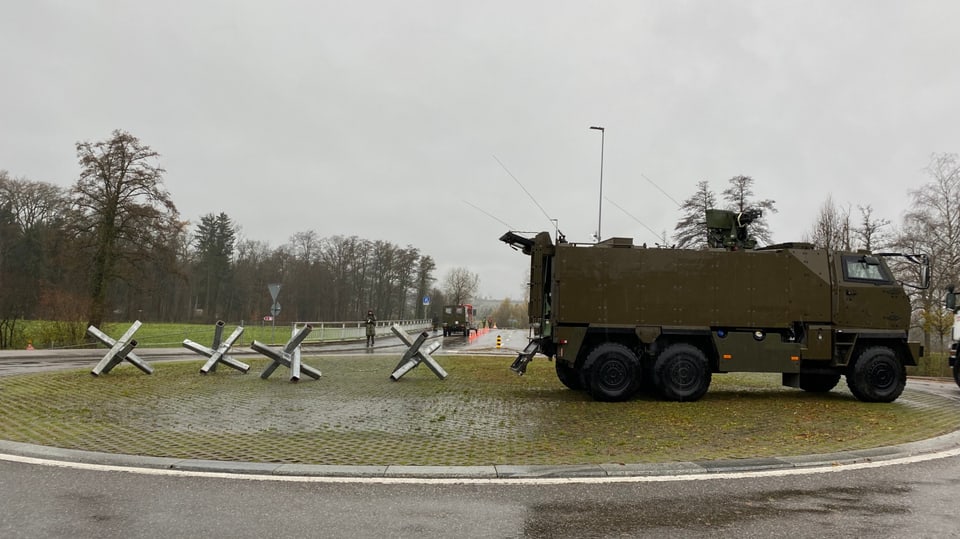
[
  {"x": 214, "y": 242},
  {"x": 691, "y": 229},
  {"x": 739, "y": 197}
]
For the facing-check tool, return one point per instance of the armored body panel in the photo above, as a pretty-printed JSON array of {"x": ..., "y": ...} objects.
[
  {"x": 776, "y": 287},
  {"x": 638, "y": 286}
]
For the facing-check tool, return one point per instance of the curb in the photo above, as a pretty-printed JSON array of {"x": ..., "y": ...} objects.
[{"x": 933, "y": 445}]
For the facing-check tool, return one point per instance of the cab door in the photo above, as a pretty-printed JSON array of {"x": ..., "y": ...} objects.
[{"x": 867, "y": 295}]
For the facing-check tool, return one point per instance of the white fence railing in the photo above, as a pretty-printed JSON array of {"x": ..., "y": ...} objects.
[{"x": 357, "y": 329}]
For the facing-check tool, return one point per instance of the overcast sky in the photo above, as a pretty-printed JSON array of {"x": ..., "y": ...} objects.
[{"x": 390, "y": 120}]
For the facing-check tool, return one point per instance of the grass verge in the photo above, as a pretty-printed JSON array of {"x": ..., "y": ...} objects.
[{"x": 482, "y": 414}]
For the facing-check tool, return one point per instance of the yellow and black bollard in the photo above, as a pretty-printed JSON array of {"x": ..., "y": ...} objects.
[{"x": 498, "y": 341}]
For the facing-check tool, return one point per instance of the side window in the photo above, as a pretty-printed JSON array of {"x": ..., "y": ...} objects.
[
  {"x": 864, "y": 268},
  {"x": 448, "y": 310}
]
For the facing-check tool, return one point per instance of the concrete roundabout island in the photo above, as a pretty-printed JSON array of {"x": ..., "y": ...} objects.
[{"x": 480, "y": 422}]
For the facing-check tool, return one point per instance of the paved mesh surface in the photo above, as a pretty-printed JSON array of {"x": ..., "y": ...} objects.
[{"x": 482, "y": 414}]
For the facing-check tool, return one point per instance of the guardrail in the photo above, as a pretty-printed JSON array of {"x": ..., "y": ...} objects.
[
  {"x": 264, "y": 331},
  {"x": 357, "y": 329}
]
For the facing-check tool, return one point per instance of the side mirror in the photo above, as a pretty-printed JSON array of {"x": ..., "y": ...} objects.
[{"x": 951, "y": 299}]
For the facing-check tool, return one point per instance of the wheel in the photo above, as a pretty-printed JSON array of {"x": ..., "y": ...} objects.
[
  {"x": 956, "y": 372},
  {"x": 818, "y": 383},
  {"x": 876, "y": 375},
  {"x": 568, "y": 375},
  {"x": 613, "y": 372},
  {"x": 681, "y": 373}
]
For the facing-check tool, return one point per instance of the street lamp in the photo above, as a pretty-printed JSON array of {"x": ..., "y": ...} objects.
[{"x": 600, "y": 210}]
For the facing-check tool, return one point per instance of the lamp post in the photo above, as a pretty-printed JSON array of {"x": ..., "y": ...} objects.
[{"x": 600, "y": 209}]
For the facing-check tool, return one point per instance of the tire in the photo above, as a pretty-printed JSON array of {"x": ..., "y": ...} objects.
[
  {"x": 612, "y": 372},
  {"x": 876, "y": 375},
  {"x": 682, "y": 373},
  {"x": 818, "y": 383},
  {"x": 568, "y": 375},
  {"x": 956, "y": 372}
]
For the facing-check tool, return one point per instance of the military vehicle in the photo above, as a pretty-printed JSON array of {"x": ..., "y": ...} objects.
[
  {"x": 951, "y": 303},
  {"x": 457, "y": 319},
  {"x": 617, "y": 317}
]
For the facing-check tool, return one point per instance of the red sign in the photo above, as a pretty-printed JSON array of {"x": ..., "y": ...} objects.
[{"x": 268, "y": 318}]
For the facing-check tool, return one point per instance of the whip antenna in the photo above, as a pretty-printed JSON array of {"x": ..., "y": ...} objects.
[
  {"x": 495, "y": 218},
  {"x": 524, "y": 190}
]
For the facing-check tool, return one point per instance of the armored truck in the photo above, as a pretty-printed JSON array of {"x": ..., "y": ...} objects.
[
  {"x": 457, "y": 319},
  {"x": 617, "y": 317}
]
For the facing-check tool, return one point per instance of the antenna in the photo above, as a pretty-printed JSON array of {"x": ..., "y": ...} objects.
[
  {"x": 495, "y": 218},
  {"x": 524, "y": 189},
  {"x": 634, "y": 218},
  {"x": 661, "y": 190}
]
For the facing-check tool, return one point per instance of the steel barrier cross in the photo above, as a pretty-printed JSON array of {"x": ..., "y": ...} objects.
[
  {"x": 120, "y": 350},
  {"x": 218, "y": 352},
  {"x": 289, "y": 356},
  {"x": 414, "y": 355}
]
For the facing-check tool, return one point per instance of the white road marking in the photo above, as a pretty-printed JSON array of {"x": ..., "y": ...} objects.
[{"x": 520, "y": 481}]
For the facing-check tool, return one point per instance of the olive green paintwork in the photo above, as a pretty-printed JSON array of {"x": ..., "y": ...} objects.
[
  {"x": 807, "y": 304},
  {"x": 457, "y": 319}
]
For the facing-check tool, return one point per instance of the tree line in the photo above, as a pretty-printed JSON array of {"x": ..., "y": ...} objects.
[{"x": 113, "y": 247}]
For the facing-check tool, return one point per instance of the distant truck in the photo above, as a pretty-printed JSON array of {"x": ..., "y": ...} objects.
[
  {"x": 616, "y": 317},
  {"x": 458, "y": 319},
  {"x": 951, "y": 303}
]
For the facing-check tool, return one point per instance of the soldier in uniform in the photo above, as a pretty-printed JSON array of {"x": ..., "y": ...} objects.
[{"x": 371, "y": 327}]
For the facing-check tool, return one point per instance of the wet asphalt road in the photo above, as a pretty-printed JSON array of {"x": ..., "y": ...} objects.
[
  {"x": 896, "y": 499},
  {"x": 910, "y": 500}
]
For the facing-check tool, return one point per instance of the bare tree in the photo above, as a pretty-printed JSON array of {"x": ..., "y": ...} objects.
[
  {"x": 405, "y": 272},
  {"x": 10, "y": 308},
  {"x": 32, "y": 203},
  {"x": 460, "y": 285},
  {"x": 122, "y": 212},
  {"x": 691, "y": 229},
  {"x": 32, "y": 245},
  {"x": 510, "y": 314},
  {"x": 832, "y": 227},
  {"x": 932, "y": 226},
  {"x": 253, "y": 270},
  {"x": 305, "y": 246},
  {"x": 340, "y": 254},
  {"x": 933, "y": 220},
  {"x": 869, "y": 235},
  {"x": 382, "y": 259}
]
